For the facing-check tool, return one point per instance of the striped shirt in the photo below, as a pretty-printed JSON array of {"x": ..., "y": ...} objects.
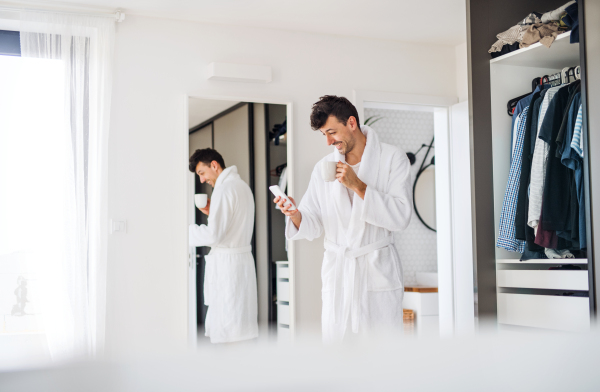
[
  {"x": 538, "y": 165},
  {"x": 577, "y": 142},
  {"x": 506, "y": 237}
]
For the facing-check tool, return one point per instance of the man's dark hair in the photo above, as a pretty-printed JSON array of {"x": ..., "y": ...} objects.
[
  {"x": 206, "y": 156},
  {"x": 331, "y": 105}
]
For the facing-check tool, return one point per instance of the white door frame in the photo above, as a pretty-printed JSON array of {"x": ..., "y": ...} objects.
[
  {"x": 190, "y": 208},
  {"x": 447, "y": 278}
]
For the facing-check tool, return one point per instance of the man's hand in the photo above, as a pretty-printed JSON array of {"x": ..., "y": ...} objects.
[
  {"x": 347, "y": 177},
  {"x": 294, "y": 215},
  {"x": 206, "y": 210}
]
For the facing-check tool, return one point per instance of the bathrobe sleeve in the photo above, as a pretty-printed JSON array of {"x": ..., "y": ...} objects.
[
  {"x": 392, "y": 209},
  {"x": 221, "y": 209},
  {"x": 311, "y": 226}
]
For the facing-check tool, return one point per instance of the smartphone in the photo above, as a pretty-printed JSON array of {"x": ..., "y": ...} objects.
[{"x": 276, "y": 190}]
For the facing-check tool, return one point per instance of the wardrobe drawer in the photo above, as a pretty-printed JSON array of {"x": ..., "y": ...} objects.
[
  {"x": 283, "y": 314},
  {"x": 543, "y": 279},
  {"x": 544, "y": 311},
  {"x": 283, "y": 290},
  {"x": 283, "y": 334},
  {"x": 283, "y": 271}
]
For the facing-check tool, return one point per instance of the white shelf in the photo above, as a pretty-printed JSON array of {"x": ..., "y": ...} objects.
[
  {"x": 560, "y": 55},
  {"x": 542, "y": 261}
]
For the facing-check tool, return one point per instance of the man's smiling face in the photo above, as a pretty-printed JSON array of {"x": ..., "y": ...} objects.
[
  {"x": 340, "y": 135},
  {"x": 208, "y": 173}
]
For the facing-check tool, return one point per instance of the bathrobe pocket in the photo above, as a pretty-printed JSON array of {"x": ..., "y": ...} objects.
[
  {"x": 383, "y": 271},
  {"x": 328, "y": 271}
]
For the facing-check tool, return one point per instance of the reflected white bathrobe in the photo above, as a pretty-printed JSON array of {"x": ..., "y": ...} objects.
[
  {"x": 362, "y": 275},
  {"x": 230, "y": 276}
]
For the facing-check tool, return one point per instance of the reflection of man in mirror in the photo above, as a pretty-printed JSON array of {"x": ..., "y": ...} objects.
[
  {"x": 230, "y": 276},
  {"x": 358, "y": 210},
  {"x": 21, "y": 294}
]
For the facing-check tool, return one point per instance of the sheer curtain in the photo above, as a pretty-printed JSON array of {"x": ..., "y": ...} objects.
[{"x": 69, "y": 233}]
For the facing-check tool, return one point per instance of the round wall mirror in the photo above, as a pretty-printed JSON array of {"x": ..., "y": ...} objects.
[{"x": 424, "y": 196}]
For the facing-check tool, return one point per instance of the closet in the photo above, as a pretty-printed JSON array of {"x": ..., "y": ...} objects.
[{"x": 540, "y": 292}]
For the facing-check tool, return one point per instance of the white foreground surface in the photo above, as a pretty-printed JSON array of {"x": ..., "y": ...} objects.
[{"x": 506, "y": 361}]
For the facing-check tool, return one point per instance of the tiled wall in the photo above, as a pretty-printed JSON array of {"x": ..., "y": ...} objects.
[{"x": 409, "y": 130}]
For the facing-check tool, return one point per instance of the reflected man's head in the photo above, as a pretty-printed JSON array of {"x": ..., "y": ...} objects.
[
  {"x": 337, "y": 119},
  {"x": 208, "y": 164}
]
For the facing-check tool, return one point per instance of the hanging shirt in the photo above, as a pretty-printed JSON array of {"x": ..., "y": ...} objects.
[
  {"x": 538, "y": 166},
  {"x": 522, "y": 104},
  {"x": 572, "y": 158},
  {"x": 522, "y": 231},
  {"x": 577, "y": 142},
  {"x": 557, "y": 182},
  {"x": 506, "y": 237}
]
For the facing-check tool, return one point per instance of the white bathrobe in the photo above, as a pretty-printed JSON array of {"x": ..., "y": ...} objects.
[
  {"x": 361, "y": 275},
  {"x": 230, "y": 276}
]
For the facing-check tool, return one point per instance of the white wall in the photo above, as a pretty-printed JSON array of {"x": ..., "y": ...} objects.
[
  {"x": 462, "y": 72},
  {"x": 157, "y": 63}
]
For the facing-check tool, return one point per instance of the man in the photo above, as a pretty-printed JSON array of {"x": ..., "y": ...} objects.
[
  {"x": 358, "y": 213},
  {"x": 230, "y": 277}
]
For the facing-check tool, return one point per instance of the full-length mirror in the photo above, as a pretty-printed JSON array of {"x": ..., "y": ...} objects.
[{"x": 240, "y": 286}]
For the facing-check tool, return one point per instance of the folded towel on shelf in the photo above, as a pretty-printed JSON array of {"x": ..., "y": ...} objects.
[
  {"x": 509, "y": 37},
  {"x": 555, "y": 14},
  {"x": 544, "y": 33},
  {"x": 515, "y": 33}
]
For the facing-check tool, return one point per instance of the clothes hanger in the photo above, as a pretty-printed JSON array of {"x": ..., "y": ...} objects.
[
  {"x": 570, "y": 72},
  {"x": 511, "y": 104}
]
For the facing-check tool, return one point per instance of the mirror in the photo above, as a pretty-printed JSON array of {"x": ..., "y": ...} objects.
[
  {"x": 253, "y": 137},
  {"x": 424, "y": 196}
]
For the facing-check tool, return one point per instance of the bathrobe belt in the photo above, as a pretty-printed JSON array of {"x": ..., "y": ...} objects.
[
  {"x": 350, "y": 286},
  {"x": 230, "y": 251}
]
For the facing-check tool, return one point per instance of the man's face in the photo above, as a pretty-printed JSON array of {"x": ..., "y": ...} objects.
[
  {"x": 207, "y": 173},
  {"x": 343, "y": 137}
]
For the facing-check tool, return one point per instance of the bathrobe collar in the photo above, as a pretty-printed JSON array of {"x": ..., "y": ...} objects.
[
  {"x": 231, "y": 171},
  {"x": 350, "y": 215}
]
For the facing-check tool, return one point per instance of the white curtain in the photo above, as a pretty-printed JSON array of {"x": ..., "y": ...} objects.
[{"x": 69, "y": 232}]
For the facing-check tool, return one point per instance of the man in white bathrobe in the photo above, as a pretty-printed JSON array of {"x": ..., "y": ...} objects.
[
  {"x": 358, "y": 212},
  {"x": 230, "y": 276}
]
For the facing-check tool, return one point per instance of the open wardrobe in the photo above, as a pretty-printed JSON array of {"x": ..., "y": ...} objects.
[{"x": 535, "y": 98}]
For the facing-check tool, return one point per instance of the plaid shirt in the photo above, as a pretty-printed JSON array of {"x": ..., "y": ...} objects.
[{"x": 506, "y": 238}]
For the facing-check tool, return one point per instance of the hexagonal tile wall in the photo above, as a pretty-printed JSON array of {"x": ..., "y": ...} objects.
[{"x": 408, "y": 130}]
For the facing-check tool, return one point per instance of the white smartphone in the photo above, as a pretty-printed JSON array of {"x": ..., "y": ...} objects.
[{"x": 276, "y": 190}]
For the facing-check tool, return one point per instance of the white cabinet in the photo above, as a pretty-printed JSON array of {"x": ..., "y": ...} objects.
[
  {"x": 544, "y": 311},
  {"x": 284, "y": 319},
  {"x": 551, "y": 280},
  {"x": 544, "y": 298}
]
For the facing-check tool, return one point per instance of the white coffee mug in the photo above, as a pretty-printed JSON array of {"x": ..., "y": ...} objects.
[
  {"x": 328, "y": 170},
  {"x": 201, "y": 199}
]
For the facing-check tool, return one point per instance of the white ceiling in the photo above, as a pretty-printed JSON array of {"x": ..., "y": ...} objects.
[
  {"x": 421, "y": 21},
  {"x": 201, "y": 110}
]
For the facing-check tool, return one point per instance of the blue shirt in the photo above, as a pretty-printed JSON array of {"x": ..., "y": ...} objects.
[{"x": 506, "y": 237}]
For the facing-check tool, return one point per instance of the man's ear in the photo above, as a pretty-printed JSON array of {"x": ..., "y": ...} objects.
[
  {"x": 352, "y": 122},
  {"x": 214, "y": 165}
]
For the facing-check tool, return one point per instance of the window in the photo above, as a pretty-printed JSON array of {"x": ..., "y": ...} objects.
[{"x": 33, "y": 176}]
